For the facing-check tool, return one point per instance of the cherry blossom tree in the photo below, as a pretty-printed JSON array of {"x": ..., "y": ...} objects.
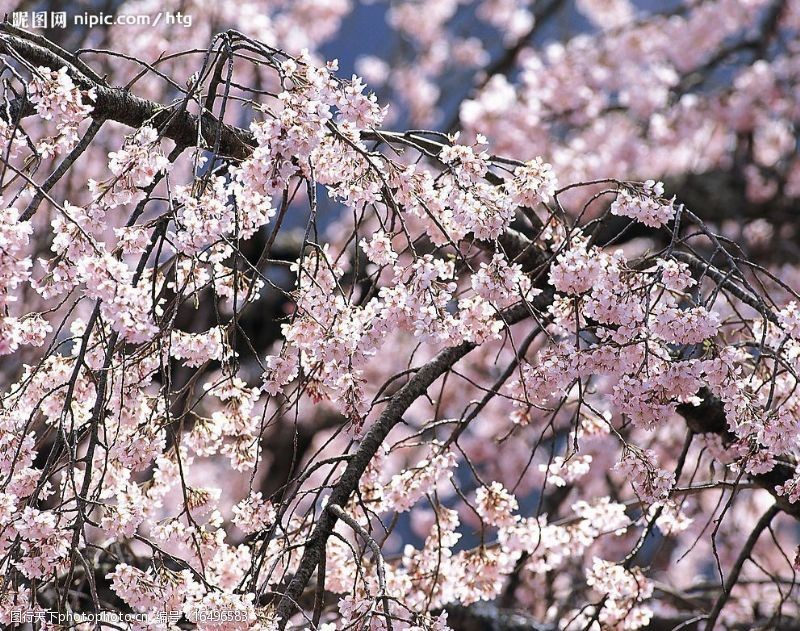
[{"x": 282, "y": 350}]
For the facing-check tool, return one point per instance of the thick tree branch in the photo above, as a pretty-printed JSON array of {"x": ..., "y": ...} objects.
[
  {"x": 709, "y": 417},
  {"x": 733, "y": 577},
  {"x": 372, "y": 441},
  {"x": 120, "y": 105}
]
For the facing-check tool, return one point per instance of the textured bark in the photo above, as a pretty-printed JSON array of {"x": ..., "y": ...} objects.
[
  {"x": 123, "y": 106},
  {"x": 709, "y": 417},
  {"x": 348, "y": 482}
]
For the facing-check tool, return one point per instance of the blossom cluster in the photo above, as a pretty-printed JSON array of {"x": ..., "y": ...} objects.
[
  {"x": 56, "y": 98},
  {"x": 646, "y": 207},
  {"x": 15, "y": 264},
  {"x": 174, "y": 421},
  {"x": 134, "y": 167}
]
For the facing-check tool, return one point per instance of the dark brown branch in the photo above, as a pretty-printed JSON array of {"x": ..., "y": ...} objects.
[
  {"x": 371, "y": 443},
  {"x": 124, "y": 107},
  {"x": 733, "y": 577},
  {"x": 61, "y": 170},
  {"x": 709, "y": 417}
]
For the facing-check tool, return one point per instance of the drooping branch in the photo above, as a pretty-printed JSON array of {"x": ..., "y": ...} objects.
[
  {"x": 369, "y": 446},
  {"x": 733, "y": 577},
  {"x": 709, "y": 417},
  {"x": 122, "y": 106},
  {"x": 234, "y": 143}
]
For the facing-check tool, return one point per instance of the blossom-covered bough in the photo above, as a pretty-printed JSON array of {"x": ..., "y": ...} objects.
[{"x": 311, "y": 373}]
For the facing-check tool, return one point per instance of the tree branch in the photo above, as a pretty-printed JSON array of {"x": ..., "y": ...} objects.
[
  {"x": 122, "y": 106},
  {"x": 348, "y": 482},
  {"x": 733, "y": 577}
]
